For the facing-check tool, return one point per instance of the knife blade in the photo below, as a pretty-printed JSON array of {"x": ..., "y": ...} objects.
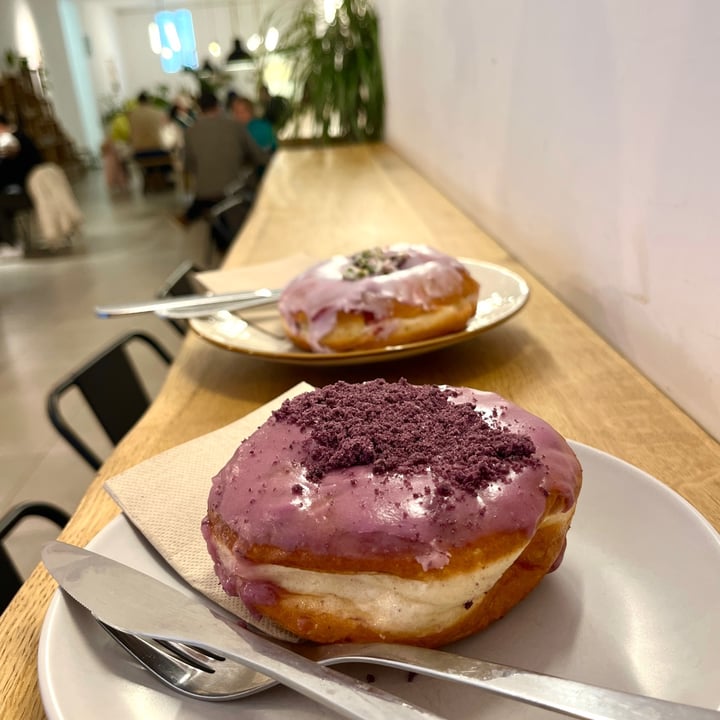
[
  {"x": 189, "y": 302},
  {"x": 131, "y": 601}
]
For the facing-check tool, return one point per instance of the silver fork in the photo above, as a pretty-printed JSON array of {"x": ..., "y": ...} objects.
[{"x": 198, "y": 674}]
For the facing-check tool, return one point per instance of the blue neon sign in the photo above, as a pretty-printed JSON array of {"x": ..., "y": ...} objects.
[{"x": 177, "y": 40}]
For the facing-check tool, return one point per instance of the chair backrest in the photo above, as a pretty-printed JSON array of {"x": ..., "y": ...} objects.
[
  {"x": 111, "y": 385},
  {"x": 228, "y": 217},
  {"x": 57, "y": 210},
  {"x": 180, "y": 282},
  {"x": 10, "y": 578}
]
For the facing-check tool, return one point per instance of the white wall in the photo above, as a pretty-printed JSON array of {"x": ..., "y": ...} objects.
[
  {"x": 77, "y": 51},
  {"x": 106, "y": 64},
  {"x": 583, "y": 136},
  {"x": 7, "y": 34}
]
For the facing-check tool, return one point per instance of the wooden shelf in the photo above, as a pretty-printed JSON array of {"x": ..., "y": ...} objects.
[{"x": 26, "y": 105}]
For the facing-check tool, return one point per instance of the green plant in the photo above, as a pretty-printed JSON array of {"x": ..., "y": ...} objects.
[
  {"x": 11, "y": 59},
  {"x": 337, "y": 70}
]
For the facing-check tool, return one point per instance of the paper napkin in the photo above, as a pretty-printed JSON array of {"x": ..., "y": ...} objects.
[
  {"x": 165, "y": 497},
  {"x": 273, "y": 274}
]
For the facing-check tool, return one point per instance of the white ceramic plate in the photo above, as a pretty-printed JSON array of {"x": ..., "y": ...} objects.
[
  {"x": 259, "y": 331},
  {"x": 634, "y": 606}
]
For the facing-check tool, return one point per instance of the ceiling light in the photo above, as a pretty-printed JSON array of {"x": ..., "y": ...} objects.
[
  {"x": 254, "y": 42},
  {"x": 271, "y": 39},
  {"x": 172, "y": 36},
  {"x": 154, "y": 35},
  {"x": 214, "y": 49}
]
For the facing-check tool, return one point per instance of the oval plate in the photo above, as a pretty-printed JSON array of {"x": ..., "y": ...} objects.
[
  {"x": 633, "y": 606},
  {"x": 259, "y": 331}
]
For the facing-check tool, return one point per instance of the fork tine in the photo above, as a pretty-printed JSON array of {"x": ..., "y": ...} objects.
[
  {"x": 187, "y": 657},
  {"x": 148, "y": 650},
  {"x": 190, "y": 670},
  {"x": 192, "y": 655}
]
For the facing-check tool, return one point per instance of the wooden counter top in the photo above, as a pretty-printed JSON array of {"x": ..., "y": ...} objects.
[{"x": 546, "y": 359}]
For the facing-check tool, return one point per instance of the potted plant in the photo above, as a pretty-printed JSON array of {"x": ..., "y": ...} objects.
[
  {"x": 336, "y": 70},
  {"x": 11, "y": 59}
]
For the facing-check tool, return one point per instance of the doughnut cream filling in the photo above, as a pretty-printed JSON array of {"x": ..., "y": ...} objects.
[
  {"x": 387, "y": 602},
  {"x": 369, "y": 283},
  {"x": 352, "y": 470}
]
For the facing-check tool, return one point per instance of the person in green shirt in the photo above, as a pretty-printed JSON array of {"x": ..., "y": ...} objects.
[{"x": 260, "y": 130}]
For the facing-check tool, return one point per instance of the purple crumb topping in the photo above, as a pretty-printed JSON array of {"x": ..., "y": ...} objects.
[
  {"x": 377, "y": 261},
  {"x": 402, "y": 428}
]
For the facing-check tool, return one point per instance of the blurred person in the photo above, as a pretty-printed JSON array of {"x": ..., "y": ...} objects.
[
  {"x": 219, "y": 153},
  {"x": 180, "y": 116},
  {"x": 18, "y": 157},
  {"x": 260, "y": 130},
  {"x": 148, "y": 137},
  {"x": 181, "y": 113},
  {"x": 229, "y": 99},
  {"x": 114, "y": 166},
  {"x": 146, "y": 128},
  {"x": 276, "y": 109}
]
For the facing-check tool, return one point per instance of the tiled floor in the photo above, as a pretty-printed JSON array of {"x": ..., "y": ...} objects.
[{"x": 47, "y": 328}]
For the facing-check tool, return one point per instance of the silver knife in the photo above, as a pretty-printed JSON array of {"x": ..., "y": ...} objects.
[
  {"x": 205, "y": 303},
  {"x": 134, "y": 602}
]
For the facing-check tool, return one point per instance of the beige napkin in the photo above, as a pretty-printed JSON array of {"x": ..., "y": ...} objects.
[
  {"x": 273, "y": 274},
  {"x": 165, "y": 497}
]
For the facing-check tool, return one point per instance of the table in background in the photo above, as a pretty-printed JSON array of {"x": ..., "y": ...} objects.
[{"x": 325, "y": 201}]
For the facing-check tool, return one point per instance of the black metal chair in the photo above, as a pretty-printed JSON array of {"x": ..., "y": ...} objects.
[
  {"x": 228, "y": 217},
  {"x": 112, "y": 387},
  {"x": 10, "y": 578},
  {"x": 181, "y": 282}
]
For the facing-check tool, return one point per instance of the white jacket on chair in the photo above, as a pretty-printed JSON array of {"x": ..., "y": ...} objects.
[{"x": 57, "y": 210}]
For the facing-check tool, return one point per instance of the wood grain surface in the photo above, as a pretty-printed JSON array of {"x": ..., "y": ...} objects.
[{"x": 324, "y": 201}]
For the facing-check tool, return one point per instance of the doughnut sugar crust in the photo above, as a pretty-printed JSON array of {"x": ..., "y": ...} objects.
[
  {"x": 391, "y": 512},
  {"x": 379, "y": 297}
]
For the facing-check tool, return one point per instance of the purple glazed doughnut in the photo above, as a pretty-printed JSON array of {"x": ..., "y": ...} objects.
[
  {"x": 376, "y": 298},
  {"x": 391, "y": 512}
]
